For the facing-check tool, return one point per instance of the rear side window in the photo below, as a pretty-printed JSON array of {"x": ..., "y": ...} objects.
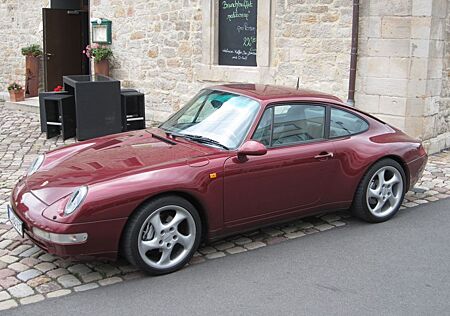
[{"x": 343, "y": 123}]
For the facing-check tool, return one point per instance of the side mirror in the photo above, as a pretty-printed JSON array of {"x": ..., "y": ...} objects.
[{"x": 251, "y": 148}]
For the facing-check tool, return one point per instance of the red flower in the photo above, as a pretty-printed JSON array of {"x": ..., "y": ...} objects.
[{"x": 58, "y": 88}]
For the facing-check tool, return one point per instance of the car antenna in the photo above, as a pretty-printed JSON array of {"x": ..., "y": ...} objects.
[{"x": 298, "y": 83}]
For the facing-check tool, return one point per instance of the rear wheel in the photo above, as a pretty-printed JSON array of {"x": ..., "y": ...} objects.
[
  {"x": 162, "y": 235},
  {"x": 381, "y": 192}
]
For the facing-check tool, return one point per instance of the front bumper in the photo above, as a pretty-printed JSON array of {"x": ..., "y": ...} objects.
[{"x": 103, "y": 237}]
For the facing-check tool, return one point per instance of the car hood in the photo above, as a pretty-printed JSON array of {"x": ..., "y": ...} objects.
[{"x": 105, "y": 158}]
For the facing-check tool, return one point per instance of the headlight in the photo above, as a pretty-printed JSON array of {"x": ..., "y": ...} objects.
[
  {"x": 75, "y": 200},
  {"x": 35, "y": 165}
]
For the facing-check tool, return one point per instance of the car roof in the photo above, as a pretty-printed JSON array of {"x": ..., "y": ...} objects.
[{"x": 267, "y": 92}]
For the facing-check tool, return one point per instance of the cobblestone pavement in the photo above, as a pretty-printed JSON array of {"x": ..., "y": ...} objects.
[{"x": 29, "y": 275}]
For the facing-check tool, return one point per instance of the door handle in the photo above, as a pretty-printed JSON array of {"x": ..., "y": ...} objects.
[
  {"x": 324, "y": 155},
  {"x": 49, "y": 55}
]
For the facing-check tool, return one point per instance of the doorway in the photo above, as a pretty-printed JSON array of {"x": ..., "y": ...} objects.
[{"x": 66, "y": 34}]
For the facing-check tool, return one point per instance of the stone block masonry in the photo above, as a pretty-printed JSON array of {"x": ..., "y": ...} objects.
[
  {"x": 403, "y": 67},
  {"x": 310, "y": 41}
]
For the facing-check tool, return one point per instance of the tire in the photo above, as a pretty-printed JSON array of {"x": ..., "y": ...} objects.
[
  {"x": 380, "y": 194},
  {"x": 162, "y": 235}
]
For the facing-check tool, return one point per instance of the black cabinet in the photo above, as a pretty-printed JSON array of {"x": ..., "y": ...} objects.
[
  {"x": 60, "y": 115},
  {"x": 133, "y": 110}
]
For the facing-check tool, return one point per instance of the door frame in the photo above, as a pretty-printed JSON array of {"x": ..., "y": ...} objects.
[{"x": 85, "y": 37}]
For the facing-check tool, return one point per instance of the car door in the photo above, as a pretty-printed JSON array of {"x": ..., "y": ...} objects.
[{"x": 295, "y": 173}]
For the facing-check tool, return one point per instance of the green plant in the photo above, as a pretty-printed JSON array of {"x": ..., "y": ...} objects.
[
  {"x": 32, "y": 50},
  {"x": 15, "y": 87},
  {"x": 98, "y": 52}
]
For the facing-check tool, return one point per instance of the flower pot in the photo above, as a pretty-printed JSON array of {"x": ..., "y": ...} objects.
[
  {"x": 32, "y": 76},
  {"x": 16, "y": 95},
  {"x": 102, "y": 68}
]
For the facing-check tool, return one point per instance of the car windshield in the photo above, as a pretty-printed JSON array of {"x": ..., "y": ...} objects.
[{"x": 216, "y": 118}]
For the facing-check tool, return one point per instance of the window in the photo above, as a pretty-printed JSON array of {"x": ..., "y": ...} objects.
[
  {"x": 237, "y": 32},
  {"x": 343, "y": 123},
  {"x": 254, "y": 64},
  {"x": 292, "y": 124}
]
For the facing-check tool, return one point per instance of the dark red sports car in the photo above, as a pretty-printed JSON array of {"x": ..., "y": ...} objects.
[{"x": 236, "y": 157}]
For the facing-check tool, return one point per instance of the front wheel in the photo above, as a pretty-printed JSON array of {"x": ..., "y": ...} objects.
[
  {"x": 381, "y": 192},
  {"x": 162, "y": 235}
]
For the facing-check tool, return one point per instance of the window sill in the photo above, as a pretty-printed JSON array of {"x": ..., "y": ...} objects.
[{"x": 241, "y": 74}]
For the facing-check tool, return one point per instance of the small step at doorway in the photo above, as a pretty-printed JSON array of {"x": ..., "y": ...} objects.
[{"x": 28, "y": 105}]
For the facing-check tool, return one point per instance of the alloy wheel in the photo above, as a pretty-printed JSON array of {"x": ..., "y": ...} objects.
[
  {"x": 385, "y": 191},
  {"x": 166, "y": 237}
]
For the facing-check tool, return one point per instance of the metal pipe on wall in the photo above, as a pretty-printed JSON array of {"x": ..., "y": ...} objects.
[{"x": 353, "y": 54}]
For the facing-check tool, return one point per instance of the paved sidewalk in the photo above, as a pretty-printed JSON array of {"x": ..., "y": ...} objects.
[{"x": 28, "y": 275}]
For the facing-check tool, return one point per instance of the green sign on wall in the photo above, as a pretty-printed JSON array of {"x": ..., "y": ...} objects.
[{"x": 101, "y": 31}]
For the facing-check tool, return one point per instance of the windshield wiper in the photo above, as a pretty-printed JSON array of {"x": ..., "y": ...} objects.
[
  {"x": 197, "y": 138},
  {"x": 206, "y": 140}
]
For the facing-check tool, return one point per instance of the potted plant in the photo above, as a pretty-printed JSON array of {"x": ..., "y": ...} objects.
[
  {"x": 101, "y": 54},
  {"x": 16, "y": 92},
  {"x": 32, "y": 55}
]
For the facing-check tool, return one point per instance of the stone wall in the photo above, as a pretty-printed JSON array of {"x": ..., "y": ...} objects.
[
  {"x": 383, "y": 59},
  {"x": 156, "y": 44},
  {"x": 442, "y": 123},
  {"x": 21, "y": 25},
  {"x": 159, "y": 44},
  {"x": 402, "y": 77},
  {"x": 312, "y": 41}
]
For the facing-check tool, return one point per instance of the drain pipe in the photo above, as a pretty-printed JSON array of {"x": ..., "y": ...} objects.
[{"x": 353, "y": 54}]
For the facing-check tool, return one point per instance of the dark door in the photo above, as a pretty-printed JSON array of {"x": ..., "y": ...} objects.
[{"x": 65, "y": 37}]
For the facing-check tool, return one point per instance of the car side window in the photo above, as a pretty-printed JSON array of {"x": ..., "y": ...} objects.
[
  {"x": 292, "y": 124},
  {"x": 343, "y": 123},
  {"x": 264, "y": 130},
  {"x": 298, "y": 123}
]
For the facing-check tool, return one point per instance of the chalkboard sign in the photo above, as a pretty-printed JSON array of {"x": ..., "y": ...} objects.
[{"x": 237, "y": 32}]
